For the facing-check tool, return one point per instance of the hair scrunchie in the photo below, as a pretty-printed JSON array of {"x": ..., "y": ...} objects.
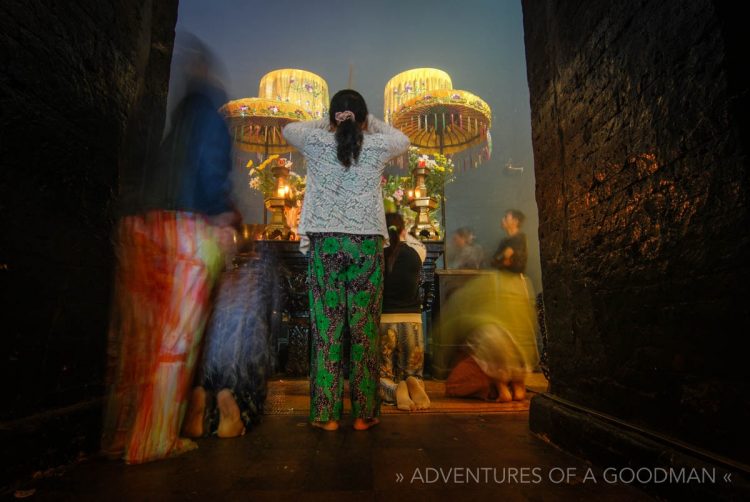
[{"x": 344, "y": 116}]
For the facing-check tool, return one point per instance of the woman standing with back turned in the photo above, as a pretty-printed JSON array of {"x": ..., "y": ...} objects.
[{"x": 343, "y": 227}]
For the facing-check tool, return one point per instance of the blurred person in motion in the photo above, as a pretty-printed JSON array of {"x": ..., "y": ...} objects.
[
  {"x": 401, "y": 340},
  {"x": 232, "y": 382},
  {"x": 342, "y": 225},
  {"x": 466, "y": 253},
  {"x": 171, "y": 242},
  {"x": 493, "y": 318}
]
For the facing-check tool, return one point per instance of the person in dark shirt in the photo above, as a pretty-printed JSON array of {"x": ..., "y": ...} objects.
[
  {"x": 401, "y": 341},
  {"x": 512, "y": 252}
]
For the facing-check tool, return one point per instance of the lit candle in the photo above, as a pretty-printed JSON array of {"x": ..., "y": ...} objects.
[
  {"x": 417, "y": 193},
  {"x": 283, "y": 190},
  {"x": 411, "y": 194}
]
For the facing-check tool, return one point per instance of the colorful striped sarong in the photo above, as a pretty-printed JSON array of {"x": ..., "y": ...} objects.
[{"x": 168, "y": 262}]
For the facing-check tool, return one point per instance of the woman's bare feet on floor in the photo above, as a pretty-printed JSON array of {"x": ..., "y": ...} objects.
[
  {"x": 403, "y": 401},
  {"x": 362, "y": 424},
  {"x": 331, "y": 425},
  {"x": 503, "y": 393},
  {"x": 230, "y": 422},
  {"x": 193, "y": 426},
  {"x": 519, "y": 390},
  {"x": 417, "y": 393}
]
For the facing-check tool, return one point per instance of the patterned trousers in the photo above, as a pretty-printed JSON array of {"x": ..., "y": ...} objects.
[
  {"x": 402, "y": 353},
  {"x": 345, "y": 277}
]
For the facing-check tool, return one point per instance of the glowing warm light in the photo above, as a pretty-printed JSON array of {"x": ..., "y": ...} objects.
[
  {"x": 417, "y": 193},
  {"x": 283, "y": 190},
  {"x": 290, "y": 85},
  {"x": 411, "y": 83}
]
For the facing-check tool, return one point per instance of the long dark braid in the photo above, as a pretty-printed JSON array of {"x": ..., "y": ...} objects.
[{"x": 395, "y": 224}]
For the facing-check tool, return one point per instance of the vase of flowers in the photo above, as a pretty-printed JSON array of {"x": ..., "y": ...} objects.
[
  {"x": 396, "y": 193},
  {"x": 275, "y": 180},
  {"x": 430, "y": 174},
  {"x": 261, "y": 176}
]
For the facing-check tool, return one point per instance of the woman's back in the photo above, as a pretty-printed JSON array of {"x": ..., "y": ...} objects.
[
  {"x": 401, "y": 287},
  {"x": 337, "y": 198}
]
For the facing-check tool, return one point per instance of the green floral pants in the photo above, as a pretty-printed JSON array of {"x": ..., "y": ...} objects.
[{"x": 345, "y": 277}]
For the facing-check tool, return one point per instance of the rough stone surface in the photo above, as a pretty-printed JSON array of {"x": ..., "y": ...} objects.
[
  {"x": 82, "y": 93},
  {"x": 639, "y": 130}
]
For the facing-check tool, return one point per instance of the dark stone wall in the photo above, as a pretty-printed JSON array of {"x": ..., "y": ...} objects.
[
  {"x": 82, "y": 94},
  {"x": 639, "y": 125}
]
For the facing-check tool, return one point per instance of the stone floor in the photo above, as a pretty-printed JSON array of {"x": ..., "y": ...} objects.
[{"x": 285, "y": 459}]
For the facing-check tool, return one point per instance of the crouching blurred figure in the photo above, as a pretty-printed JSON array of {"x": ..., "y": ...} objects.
[
  {"x": 492, "y": 321},
  {"x": 232, "y": 381},
  {"x": 171, "y": 243}
]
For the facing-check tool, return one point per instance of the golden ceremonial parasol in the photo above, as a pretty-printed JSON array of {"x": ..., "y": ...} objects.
[
  {"x": 284, "y": 96},
  {"x": 256, "y": 123},
  {"x": 410, "y": 84},
  {"x": 304, "y": 89},
  {"x": 438, "y": 120},
  {"x": 445, "y": 121}
]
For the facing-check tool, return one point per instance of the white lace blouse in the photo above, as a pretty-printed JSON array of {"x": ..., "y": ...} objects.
[{"x": 340, "y": 200}]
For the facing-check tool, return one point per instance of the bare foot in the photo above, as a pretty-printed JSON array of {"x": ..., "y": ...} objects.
[
  {"x": 519, "y": 390},
  {"x": 361, "y": 424},
  {"x": 331, "y": 425},
  {"x": 403, "y": 401},
  {"x": 193, "y": 425},
  {"x": 230, "y": 422},
  {"x": 503, "y": 393},
  {"x": 417, "y": 393}
]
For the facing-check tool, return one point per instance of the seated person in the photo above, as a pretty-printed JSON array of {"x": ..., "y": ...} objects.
[
  {"x": 402, "y": 343},
  {"x": 232, "y": 381},
  {"x": 493, "y": 368}
]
